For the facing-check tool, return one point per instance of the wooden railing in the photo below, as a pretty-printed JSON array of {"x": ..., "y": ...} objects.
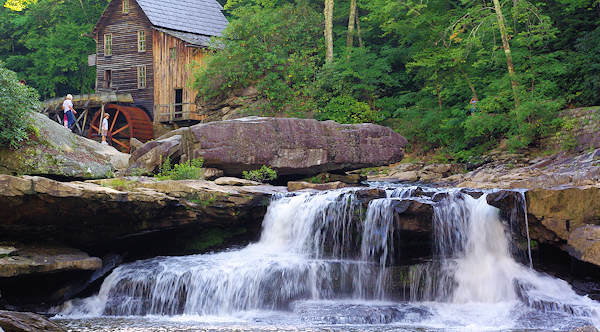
[{"x": 177, "y": 112}]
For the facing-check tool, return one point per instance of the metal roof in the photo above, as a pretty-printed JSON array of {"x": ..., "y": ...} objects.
[
  {"x": 190, "y": 38},
  {"x": 202, "y": 17}
]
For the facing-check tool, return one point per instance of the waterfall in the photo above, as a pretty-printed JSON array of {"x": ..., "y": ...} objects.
[{"x": 326, "y": 246}]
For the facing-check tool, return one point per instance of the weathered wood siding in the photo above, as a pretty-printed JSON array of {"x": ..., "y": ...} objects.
[
  {"x": 125, "y": 56},
  {"x": 172, "y": 73}
]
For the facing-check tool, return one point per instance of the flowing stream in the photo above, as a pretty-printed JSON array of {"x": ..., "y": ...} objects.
[{"x": 329, "y": 262}]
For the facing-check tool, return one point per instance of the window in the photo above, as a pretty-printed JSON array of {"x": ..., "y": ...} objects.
[
  {"x": 108, "y": 44},
  {"x": 141, "y": 41},
  {"x": 173, "y": 53},
  {"x": 125, "y": 7},
  {"x": 108, "y": 79},
  {"x": 141, "y": 71}
]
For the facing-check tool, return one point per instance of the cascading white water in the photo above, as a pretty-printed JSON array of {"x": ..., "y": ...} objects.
[{"x": 318, "y": 247}]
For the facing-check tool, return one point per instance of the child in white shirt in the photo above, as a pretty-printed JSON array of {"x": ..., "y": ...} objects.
[{"x": 105, "y": 128}]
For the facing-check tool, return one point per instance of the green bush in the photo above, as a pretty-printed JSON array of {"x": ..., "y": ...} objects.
[
  {"x": 16, "y": 103},
  {"x": 264, "y": 174},
  {"x": 188, "y": 170}
]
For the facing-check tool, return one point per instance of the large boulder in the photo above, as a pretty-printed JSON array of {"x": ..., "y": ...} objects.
[
  {"x": 26, "y": 322},
  {"x": 56, "y": 152},
  {"x": 290, "y": 146}
]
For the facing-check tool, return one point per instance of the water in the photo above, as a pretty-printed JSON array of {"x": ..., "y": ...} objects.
[{"x": 328, "y": 262}]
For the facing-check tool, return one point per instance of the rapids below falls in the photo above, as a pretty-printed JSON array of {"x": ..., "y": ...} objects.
[{"x": 316, "y": 269}]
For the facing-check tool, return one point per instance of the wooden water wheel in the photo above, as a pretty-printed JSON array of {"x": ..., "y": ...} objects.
[{"x": 125, "y": 123}]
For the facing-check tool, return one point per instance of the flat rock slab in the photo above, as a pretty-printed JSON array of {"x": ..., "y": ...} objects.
[
  {"x": 290, "y": 146},
  {"x": 84, "y": 214},
  {"x": 27, "y": 260},
  {"x": 12, "y": 321}
]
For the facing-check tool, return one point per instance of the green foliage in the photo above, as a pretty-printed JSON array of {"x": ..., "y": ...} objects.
[
  {"x": 16, "y": 104},
  {"x": 188, "y": 170},
  {"x": 263, "y": 174},
  {"x": 566, "y": 136},
  {"x": 277, "y": 50},
  {"x": 47, "y": 43}
]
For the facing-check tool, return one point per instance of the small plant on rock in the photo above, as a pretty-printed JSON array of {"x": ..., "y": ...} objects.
[
  {"x": 188, "y": 170},
  {"x": 263, "y": 174}
]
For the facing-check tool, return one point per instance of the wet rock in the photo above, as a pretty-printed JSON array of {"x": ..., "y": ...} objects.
[
  {"x": 584, "y": 244},
  {"x": 414, "y": 215},
  {"x": 12, "y": 321},
  {"x": 300, "y": 185},
  {"x": 290, "y": 146},
  {"x": 57, "y": 152},
  {"x": 46, "y": 259}
]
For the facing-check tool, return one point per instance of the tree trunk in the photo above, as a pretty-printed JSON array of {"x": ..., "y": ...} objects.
[
  {"x": 329, "y": 29},
  {"x": 506, "y": 45},
  {"x": 360, "y": 40},
  {"x": 351, "y": 22},
  {"x": 469, "y": 82}
]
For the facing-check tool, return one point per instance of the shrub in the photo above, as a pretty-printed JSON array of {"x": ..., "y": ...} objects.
[
  {"x": 16, "y": 103},
  {"x": 189, "y": 170},
  {"x": 263, "y": 174}
]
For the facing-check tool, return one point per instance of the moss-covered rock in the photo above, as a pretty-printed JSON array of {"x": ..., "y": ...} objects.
[{"x": 55, "y": 151}]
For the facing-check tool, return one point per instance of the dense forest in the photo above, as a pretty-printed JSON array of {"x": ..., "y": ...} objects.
[{"x": 413, "y": 65}]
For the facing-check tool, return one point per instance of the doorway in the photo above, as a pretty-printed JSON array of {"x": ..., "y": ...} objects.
[{"x": 178, "y": 103}]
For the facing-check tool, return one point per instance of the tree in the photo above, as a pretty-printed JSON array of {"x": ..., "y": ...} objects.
[
  {"x": 506, "y": 46},
  {"x": 16, "y": 103},
  {"x": 351, "y": 22},
  {"x": 328, "y": 12}
]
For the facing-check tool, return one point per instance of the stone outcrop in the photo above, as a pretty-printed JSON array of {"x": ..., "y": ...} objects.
[
  {"x": 566, "y": 218},
  {"x": 564, "y": 210},
  {"x": 56, "y": 152},
  {"x": 290, "y": 146},
  {"x": 503, "y": 171},
  {"x": 584, "y": 244},
  {"x": 82, "y": 214},
  {"x": 26, "y": 260},
  {"x": 11, "y": 321}
]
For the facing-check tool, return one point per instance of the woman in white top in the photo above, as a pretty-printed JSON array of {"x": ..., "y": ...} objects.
[
  {"x": 105, "y": 127},
  {"x": 69, "y": 111}
]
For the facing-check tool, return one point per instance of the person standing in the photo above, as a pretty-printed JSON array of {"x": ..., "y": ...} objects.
[
  {"x": 105, "y": 128},
  {"x": 473, "y": 104},
  {"x": 69, "y": 111}
]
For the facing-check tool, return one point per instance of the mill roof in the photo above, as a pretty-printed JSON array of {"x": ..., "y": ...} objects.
[
  {"x": 203, "y": 17},
  {"x": 184, "y": 17}
]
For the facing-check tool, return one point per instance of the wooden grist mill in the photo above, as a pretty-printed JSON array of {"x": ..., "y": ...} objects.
[{"x": 125, "y": 122}]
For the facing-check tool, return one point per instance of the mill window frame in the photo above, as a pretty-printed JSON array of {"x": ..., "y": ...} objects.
[
  {"x": 125, "y": 7},
  {"x": 108, "y": 44},
  {"x": 141, "y": 75},
  {"x": 141, "y": 41}
]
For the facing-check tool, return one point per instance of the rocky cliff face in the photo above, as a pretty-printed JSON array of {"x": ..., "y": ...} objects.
[
  {"x": 290, "y": 146},
  {"x": 56, "y": 152}
]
